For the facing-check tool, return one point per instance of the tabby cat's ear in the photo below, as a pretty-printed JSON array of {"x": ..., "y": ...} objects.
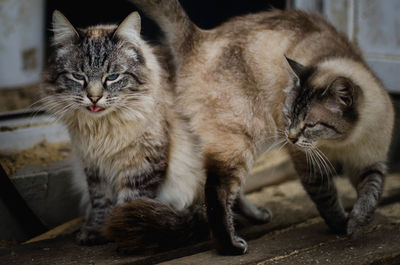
[
  {"x": 63, "y": 29},
  {"x": 344, "y": 91},
  {"x": 295, "y": 70},
  {"x": 129, "y": 29}
]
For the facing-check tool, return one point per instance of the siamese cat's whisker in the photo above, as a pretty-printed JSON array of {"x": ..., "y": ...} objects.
[
  {"x": 320, "y": 172},
  {"x": 276, "y": 138},
  {"x": 308, "y": 161},
  {"x": 280, "y": 131},
  {"x": 283, "y": 145},
  {"x": 325, "y": 172},
  {"x": 326, "y": 159},
  {"x": 327, "y": 169},
  {"x": 275, "y": 144},
  {"x": 317, "y": 162},
  {"x": 313, "y": 163},
  {"x": 325, "y": 166}
]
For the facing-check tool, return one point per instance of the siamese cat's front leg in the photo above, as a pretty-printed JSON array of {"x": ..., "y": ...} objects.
[
  {"x": 369, "y": 185},
  {"x": 101, "y": 204},
  {"x": 321, "y": 188}
]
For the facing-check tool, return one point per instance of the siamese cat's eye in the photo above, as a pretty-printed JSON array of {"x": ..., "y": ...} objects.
[
  {"x": 78, "y": 77},
  {"x": 112, "y": 77},
  {"x": 310, "y": 125}
]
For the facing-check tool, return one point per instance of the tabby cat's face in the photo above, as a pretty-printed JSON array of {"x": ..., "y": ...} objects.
[
  {"x": 95, "y": 70},
  {"x": 317, "y": 111}
]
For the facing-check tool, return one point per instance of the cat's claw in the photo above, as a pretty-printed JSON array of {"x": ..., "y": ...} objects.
[{"x": 238, "y": 246}]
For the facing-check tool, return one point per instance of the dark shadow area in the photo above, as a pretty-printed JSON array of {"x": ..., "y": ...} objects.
[
  {"x": 394, "y": 153},
  {"x": 206, "y": 13}
]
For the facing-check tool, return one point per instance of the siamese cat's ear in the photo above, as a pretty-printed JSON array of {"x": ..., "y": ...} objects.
[
  {"x": 129, "y": 29},
  {"x": 63, "y": 29},
  {"x": 344, "y": 91},
  {"x": 295, "y": 70}
]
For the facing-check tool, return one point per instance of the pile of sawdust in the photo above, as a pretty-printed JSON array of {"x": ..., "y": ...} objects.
[
  {"x": 41, "y": 154},
  {"x": 19, "y": 98}
]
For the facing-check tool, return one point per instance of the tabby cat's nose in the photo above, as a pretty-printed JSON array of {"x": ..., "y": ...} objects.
[{"x": 94, "y": 99}]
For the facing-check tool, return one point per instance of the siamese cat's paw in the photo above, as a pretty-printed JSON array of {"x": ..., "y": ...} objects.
[
  {"x": 262, "y": 215},
  {"x": 90, "y": 237},
  {"x": 237, "y": 246},
  {"x": 357, "y": 223}
]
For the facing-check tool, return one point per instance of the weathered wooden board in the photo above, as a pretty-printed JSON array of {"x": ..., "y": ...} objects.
[{"x": 293, "y": 234}]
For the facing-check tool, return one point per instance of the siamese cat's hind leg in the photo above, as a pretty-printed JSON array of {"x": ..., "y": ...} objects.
[
  {"x": 221, "y": 189},
  {"x": 226, "y": 166}
]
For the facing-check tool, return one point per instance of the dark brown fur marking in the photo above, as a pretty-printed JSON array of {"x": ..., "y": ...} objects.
[
  {"x": 145, "y": 224},
  {"x": 219, "y": 202}
]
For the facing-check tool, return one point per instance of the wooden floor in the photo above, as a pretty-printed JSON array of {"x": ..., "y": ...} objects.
[{"x": 296, "y": 235}]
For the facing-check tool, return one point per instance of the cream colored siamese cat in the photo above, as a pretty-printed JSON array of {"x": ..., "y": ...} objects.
[
  {"x": 112, "y": 91},
  {"x": 241, "y": 94}
]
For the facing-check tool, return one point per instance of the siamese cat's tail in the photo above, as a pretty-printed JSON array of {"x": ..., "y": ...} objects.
[
  {"x": 179, "y": 30},
  {"x": 145, "y": 224}
]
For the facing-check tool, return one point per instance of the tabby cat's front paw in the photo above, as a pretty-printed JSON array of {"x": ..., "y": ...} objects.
[
  {"x": 236, "y": 246},
  {"x": 90, "y": 237}
]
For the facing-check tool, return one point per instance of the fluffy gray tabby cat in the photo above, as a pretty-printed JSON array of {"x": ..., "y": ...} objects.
[
  {"x": 239, "y": 92},
  {"x": 113, "y": 92},
  {"x": 107, "y": 85}
]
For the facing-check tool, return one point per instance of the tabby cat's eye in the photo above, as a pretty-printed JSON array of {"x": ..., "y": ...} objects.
[
  {"x": 78, "y": 77},
  {"x": 112, "y": 77}
]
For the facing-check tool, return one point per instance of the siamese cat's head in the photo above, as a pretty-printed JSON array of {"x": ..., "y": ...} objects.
[
  {"x": 319, "y": 106},
  {"x": 98, "y": 70}
]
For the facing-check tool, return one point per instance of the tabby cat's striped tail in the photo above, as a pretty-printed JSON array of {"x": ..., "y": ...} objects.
[{"x": 146, "y": 224}]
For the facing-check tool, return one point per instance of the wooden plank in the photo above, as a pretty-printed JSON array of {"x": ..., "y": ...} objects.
[
  {"x": 64, "y": 229},
  {"x": 380, "y": 244},
  {"x": 311, "y": 243},
  {"x": 288, "y": 201}
]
